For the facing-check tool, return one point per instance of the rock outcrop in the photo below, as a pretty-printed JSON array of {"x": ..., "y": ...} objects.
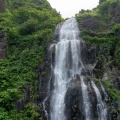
[
  {"x": 3, "y": 45},
  {"x": 2, "y": 6}
]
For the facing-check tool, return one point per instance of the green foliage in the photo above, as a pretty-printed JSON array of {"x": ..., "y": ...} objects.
[
  {"x": 105, "y": 38},
  {"x": 106, "y": 35},
  {"x": 115, "y": 28},
  {"x": 29, "y": 113},
  {"x": 28, "y": 26},
  {"x": 111, "y": 90},
  {"x": 4, "y": 114},
  {"x": 86, "y": 14}
]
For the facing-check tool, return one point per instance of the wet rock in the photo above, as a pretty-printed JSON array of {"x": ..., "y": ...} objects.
[
  {"x": 116, "y": 83},
  {"x": 90, "y": 23},
  {"x": 56, "y": 33},
  {"x": 74, "y": 107},
  {"x": 44, "y": 77},
  {"x": 19, "y": 105},
  {"x": 27, "y": 94},
  {"x": 114, "y": 75},
  {"x": 113, "y": 11},
  {"x": 74, "y": 100},
  {"x": 113, "y": 114},
  {"x": 93, "y": 101},
  {"x": 2, "y": 6},
  {"x": 98, "y": 69},
  {"x": 3, "y": 46},
  {"x": 92, "y": 54},
  {"x": 105, "y": 76},
  {"x": 84, "y": 52}
]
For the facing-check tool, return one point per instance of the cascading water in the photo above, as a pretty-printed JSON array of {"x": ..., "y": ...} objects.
[
  {"x": 86, "y": 101},
  {"x": 68, "y": 63},
  {"x": 101, "y": 109}
]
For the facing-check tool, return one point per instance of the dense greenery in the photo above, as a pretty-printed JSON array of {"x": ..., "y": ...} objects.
[
  {"x": 102, "y": 27},
  {"x": 28, "y": 26}
]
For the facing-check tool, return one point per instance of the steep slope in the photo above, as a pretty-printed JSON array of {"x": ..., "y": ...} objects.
[
  {"x": 28, "y": 27},
  {"x": 100, "y": 28}
]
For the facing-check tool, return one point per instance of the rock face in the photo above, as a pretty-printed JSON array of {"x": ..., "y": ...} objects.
[
  {"x": 3, "y": 43},
  {"x": 2, "y": 5},
  {"x": 44, "y": 69},
  {"x": 3, "y": 46},
  {"x": 74, "y": 101},
  {"x": 78, "y": 98},
  {"x": 56, "y": 33},
  {"x": 74, "y": 105},
  {"x": 20, "y": 104},
  {"x": 44, "y": 77},
  {"x": 97, "y": 55},
  {"x": 90, "y": 23},
  {"x": 44, "y": 72},
  {"x": 113, "y": 11}
]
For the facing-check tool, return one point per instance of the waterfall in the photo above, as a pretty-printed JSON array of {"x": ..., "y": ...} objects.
[
  {"x": 101, "y": 109},
  {"x": 67, "y": 64},
  {"x": 105, "y": 94},
  {"x": 85, "y": 100},
  {"x": 44, "y": 109}
]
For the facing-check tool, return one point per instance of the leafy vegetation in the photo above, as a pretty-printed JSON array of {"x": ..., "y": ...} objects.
[
  {"x": 28, "y": 26},
  {"x": 101, "y": 26}
]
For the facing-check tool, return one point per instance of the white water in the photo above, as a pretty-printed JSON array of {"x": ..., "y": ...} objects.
[
  {"x": 43, "y": 103},
  {"x": 85, "y": 99},
  {"x": 101, "y": 109},
  {"x": 68, "y": 63},
  {"x": 105, "y": 94}
]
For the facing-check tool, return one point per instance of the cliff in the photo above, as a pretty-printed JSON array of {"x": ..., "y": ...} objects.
[
  {"x": 100, "y": 29},
  {"x": 26, "y": 31}
]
